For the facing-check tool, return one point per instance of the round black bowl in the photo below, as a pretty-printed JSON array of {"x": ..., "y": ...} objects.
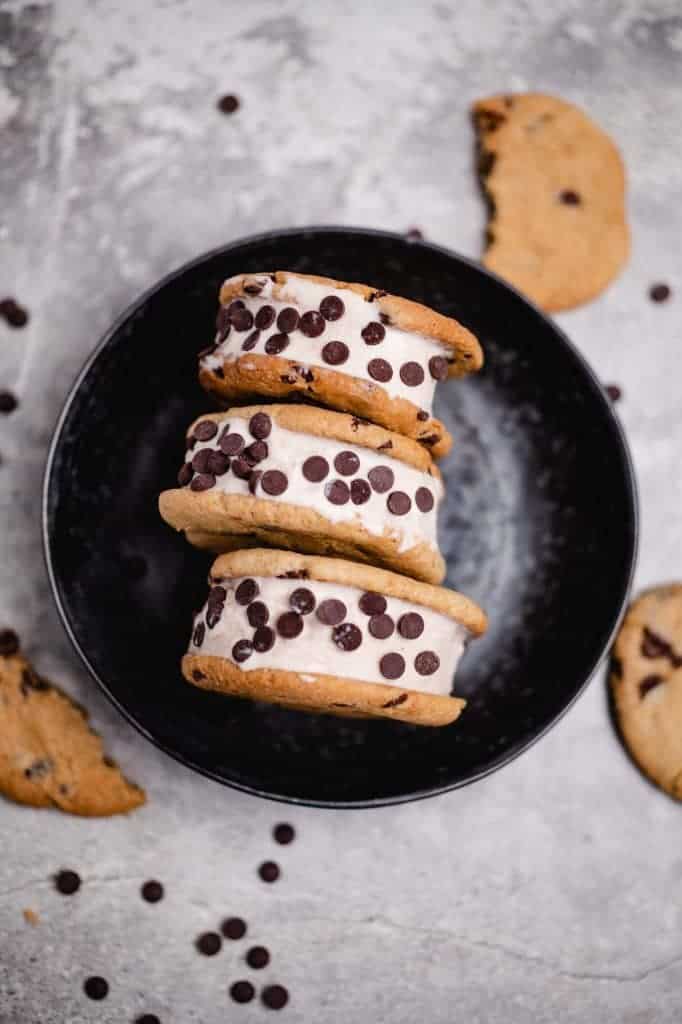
[{"x": 539, "y": 526}]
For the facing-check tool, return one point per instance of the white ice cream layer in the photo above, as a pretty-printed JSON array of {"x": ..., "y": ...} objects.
[
  {"x": 287, "y": 452},
  {"x": 397, "y": 348},
  {"x": 314, "y": 651}
]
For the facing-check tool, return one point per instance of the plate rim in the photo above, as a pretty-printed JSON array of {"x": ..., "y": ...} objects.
[{"x": 421, "y": 794}]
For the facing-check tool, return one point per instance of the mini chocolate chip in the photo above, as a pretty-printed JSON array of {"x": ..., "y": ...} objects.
[
  {"x": 199, "y": 634},
  {"x": 315, "y": 468},
  {"x": 30, "y": 680},
  {"x": 347, "y": 636},
  {"x": 396, "y": 701},
  {"x": 242, "y": 650},
  {"x": 256, "y": 452},
  {"x": 209, "y": 943},
  {"x": 659, "y": 292},
  {"x": 276, "y": 343},
  {"x": 258, "y": 957},
  {"x": 185, "y": 474},
  {"x": 213, "y": 613},
  {"x": 649, "y": 683},
  {"x": 392, "y": 665},
  {"x": 274, "y": 482},
  {"x": 242, "y": 991},
  {"x": 257, "y": 613},
  {"x": 265, "y": 317},
  {"x": 148, "y": 1018},
  {"x": 311, "y": 324},
  {"x": 429, "y": 440},
  {"x": 260, "y": 426},
  {"x": 247, "y": 590},
  {"x": 332, "y": 307},
  {"x": 275, "y": 997},
  {"x": 381, "y": 626},
  {"x": 253, "y": 288},
  {"x": 152, "y": 891},
  {"x": 8, "y": 402},
  {"x": 385, "y": 447},
  {"x": 399, "y": 503},
  {"x": 614, "y": 392},
  {"x": 337, "y": 492},
  {"x": 202, "y": 482},
  {"x": 269, "y": 871},
  {"x": 250, "y": 341},
  {"x": 335, "y": 353},
  {"x": 200, "y": 460},
  {"x": 96, "y": 988},
  {"x": 380, "y": 370},
  {"x": 426, "y": 663},
  {"x": 67, "y": 882},
  {"x": 373, "y": 334},
  {"x": 411, "y": 625},
  {"x": 422, "y": 415},
  {"x": 205, "y": 430},
  {"x": 284, "y": 834},
  {"x": 411, "y": 374},
  {"x": 254, "y": 480},
  {"x": 385, "y": 319},
  {"x": 9, "y": 642},
  {"x": 227, "y": 105},
  {"x": 197, "y": 675},
  {"x": 39, "y": 769},
  {"x": 233, "y": 928},
  {"x": 231, "y": 444},
  {"x": 287, "y": 320},
  {"x": 413, "y": 235},
  {"x": 372, "y": 604},
  {"x": 218, "y": 463},
  {"x": 424, "y": 499},
  {"x": 242, "y": 319},
  {"x": 302, "y": 601},
  {"x": 289, "y": 625},
  {"x": 346, "y": 463},
  {"x": 331, "y": 612},
  {"x": 438, "y": 367},
  {"x": 381, "y": 478},
  {"x": 569, "y": 197},
  {"x": 241, "y": 467},
  {"x": 14, "y": 314},
  {"x": 654, "y": 646},
  {"x": 263, "y": 639},
  {"x": 360, "y": 492},
  {"x": 616, "y": 667}
]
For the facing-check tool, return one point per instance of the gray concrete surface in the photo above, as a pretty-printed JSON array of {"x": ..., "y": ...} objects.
[{"x": 547, "y": 893}]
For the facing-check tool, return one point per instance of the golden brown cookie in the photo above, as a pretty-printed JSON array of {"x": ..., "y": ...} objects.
[
  {"x": 49, "y": 756},
  {"x": 346, "y": 346},
  {"x": 555, "y": 186},
  {"x": 646, "y": 680},
  {"x": 309, "y": 479},
  {"x": 330, "y": 636}
]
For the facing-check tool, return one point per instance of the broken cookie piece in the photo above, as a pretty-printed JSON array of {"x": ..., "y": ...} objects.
[
  {"x": 555, "y": 187},
  {"x": 49, "y": 756}
]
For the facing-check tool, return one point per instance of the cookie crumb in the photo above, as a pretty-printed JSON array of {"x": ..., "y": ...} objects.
[{"x": 31, "y": 917}]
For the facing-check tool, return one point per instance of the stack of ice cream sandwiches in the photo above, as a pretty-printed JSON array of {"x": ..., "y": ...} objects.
[{"x": 321, "y": 498}]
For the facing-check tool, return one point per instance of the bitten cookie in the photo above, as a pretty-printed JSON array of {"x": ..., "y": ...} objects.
[
  {"x": 555, "y": 186},
  {"x": 326, "y": 635},
  {"x": 49, "y": 756},
  {"x": 347, "y": 346},
  {"x": 310, "y": 479},
  {"x": 646, "y": 680}
]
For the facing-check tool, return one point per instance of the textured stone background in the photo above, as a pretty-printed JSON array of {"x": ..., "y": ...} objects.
[{"x": 549, "y": 892}]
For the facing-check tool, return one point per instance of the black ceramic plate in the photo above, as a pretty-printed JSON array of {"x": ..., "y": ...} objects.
[{"x": 539, "y": 527}]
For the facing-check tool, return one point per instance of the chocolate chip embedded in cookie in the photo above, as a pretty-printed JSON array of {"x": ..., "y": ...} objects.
[
  {"x": 646, "y": 681},
  {"x": 393, "y": 645},
  {"x": 49, "y": 757},
  {"x": 555, "y": 187},
  {"x": 347, "y": 346},
  {"x": 309, "y": 479}
]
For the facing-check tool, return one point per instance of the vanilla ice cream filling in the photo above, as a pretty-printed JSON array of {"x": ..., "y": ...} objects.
[
  {"x": 416, "y": 648},
  {"x": 405, "y": 355},
  {"x": 360, "y": 486}
]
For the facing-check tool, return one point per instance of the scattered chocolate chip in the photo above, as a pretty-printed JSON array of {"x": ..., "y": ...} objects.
[
  {"x": 257, "y": 613},
  {"x": 209, "y": 943},
  {"x": 256, "y": 452},
  {"x": 289, "y": 625},
  {"x": 302, "y": 601},
  {"x": 337, "y": 492},
  {"x": 269, "y": 871},
  {"x": 263, "y": 639},
  {"x": 227, "y": 105},
  {"x": 148, "y": 1018},
  {"x": 372, "y": 604},
  {"x": 332, "y": 307},
  {"x": 392, "y": 665},
  {"x": 426, "y": 663},
  {"x": 438, "y": 368},
  {"x": 250, "y": 341},
  {"x": 202, "y": 482},
  {"x": 649, "y": 683},
  {"x": 569, "y": 197},
  {"x": 659, "y": 292},
  {"x": 218, "y": 463},
  {"x": 152, "y": 891},
  {"x": 381, "y": 626},
  {"x": 199, "y": 634},
  {"x": 360, "y": 492},
  {"x": 411, "y": 374},
  {"x": 396, "y": 701},
  {"x": 96, "y": 988},
  {"x": 347, "y": 636},
  {"x": 260, "y": 426},
  {"x": 287, "y": 320},
  {"x": 8, "y": 402},
  {"x": 265, "y": 317},
  {"x": 380, "y": 370},
  {"x": 233, "y": 928},
  {"x": 311, "y": 324},
  {"x": 241, "y": 467},
  {"x": 242, "y": 991},
  {"x": 242, "y": 319},
  {"x": 335, "y": 353},
  {"x": 424, "y": 499},
  {"x": 67, "y": 882},
  {"x": 276, "y": 343},
  {"x": 614, "y": 392},
  {"x": 205, "y": 430},
  {"x": 258, "y": 957},
  {"x": 242, "y": 650},
  {"x": 9, "y": 642},
  {"x": 14, "y": 314},
  {"x": 331, "y": 612},
  {"x": 275, "y": 997},
  {"x": 284, "y": 834},
  {"x": 346, "y": 463},
  {"x": 411, "y": 625},
  {"x": 213, "y": 613},
  {"x": 254, "y": 480},
  {"x": 185, "y": 475},
  {"x": 381, "y": 478},
  {"x": 274, "y": 482},
  {"x": 373, "y": 334},
  {"x": 413, "y": 235},
  {"x": 398, "y": 503},
  {"x": 315, "y": 468},
  {"x": 246, "y": 592},
  {"x": 200, "y": 460}
]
